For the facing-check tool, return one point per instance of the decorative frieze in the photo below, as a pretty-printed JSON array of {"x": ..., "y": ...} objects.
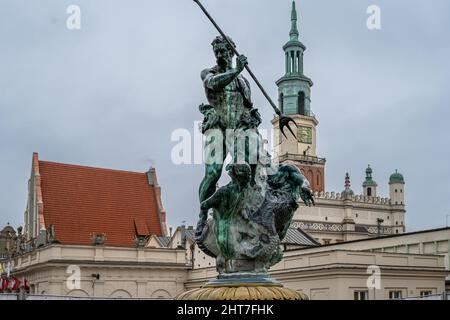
[{"x": 338, "y": 227}]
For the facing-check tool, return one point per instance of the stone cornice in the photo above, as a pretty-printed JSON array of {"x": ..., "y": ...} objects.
[
  {"x": 114, "y": 256},
  {"x": 290, "y": 77}
]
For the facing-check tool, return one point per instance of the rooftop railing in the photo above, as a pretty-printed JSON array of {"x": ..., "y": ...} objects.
[{"x": 302, "y": 158}]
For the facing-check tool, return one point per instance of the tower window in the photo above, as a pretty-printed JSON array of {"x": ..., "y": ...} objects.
[
  {"x": 395, "y": 190},
  {"x": 282, "y": 102},
  {"x": 369, "y": 192},
  {"x": 293, "y": 62},
  {"x": 301, "y": 103}
]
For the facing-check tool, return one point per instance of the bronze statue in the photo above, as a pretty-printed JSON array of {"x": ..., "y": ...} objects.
[
  {"x": 230, "y": 109},
  {"x": 252, "y": 213}
]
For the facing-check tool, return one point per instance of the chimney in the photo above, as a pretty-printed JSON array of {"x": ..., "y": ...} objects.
[{"x": 151, "y": 176}]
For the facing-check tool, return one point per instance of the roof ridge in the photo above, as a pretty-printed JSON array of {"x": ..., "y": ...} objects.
[{"x": 89, "y": 167}]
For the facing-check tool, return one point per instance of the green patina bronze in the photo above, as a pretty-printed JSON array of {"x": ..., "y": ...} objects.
[
  {"x": 396, "y": 177},
  {"x": 252, "y": 213},
  {"x": 369, "y": 182},
  {"x": 294, "y": 88}
]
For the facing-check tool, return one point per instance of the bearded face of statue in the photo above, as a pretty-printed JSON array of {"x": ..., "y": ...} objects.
[{"x": 224, "y": 56}]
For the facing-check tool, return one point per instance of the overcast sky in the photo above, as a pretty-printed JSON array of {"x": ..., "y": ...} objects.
[{"x": 111, "y": 94}]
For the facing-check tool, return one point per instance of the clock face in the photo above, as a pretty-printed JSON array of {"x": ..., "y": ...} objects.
[{"x": 305, "y": 134}]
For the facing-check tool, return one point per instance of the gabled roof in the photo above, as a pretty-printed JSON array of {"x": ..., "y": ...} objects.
[
  {"x": 299, "y": 237},
  {"x": 163, "y": 241},
  {"x": 190, "y": 234},
  {"x": 81, "y": 201}
]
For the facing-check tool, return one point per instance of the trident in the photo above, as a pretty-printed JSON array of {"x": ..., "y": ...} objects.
[{"x": 283, "y": 120}]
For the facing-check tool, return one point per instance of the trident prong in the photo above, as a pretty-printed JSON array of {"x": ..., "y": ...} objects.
[{"x": 284, "y": 123}]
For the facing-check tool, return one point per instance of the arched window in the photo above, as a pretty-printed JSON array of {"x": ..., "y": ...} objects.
[
  {"x": 369, "y": 192},
  {"x": 301, "y": 103},
  {"x": 310, "y": 177},
  {"x": 282, "y": 102},
  {"x": 292, "y": 62}
]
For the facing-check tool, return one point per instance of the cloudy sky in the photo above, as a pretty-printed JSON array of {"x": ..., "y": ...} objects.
[{"x": 111, "y": 94}]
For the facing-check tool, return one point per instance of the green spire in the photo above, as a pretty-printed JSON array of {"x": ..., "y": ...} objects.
[
  {"x": 294, "y": 30},
  {"x": 369, "y": 180}
]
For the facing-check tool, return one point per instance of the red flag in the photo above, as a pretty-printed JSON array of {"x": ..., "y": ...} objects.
[
  {"x": 5, "y": 284},
  {"x": 26, "y": 285},
  {"x": 15, "y": 284}
]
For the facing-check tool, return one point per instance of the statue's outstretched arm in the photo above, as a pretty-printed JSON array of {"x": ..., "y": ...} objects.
[{"x": 218, "y": 81}]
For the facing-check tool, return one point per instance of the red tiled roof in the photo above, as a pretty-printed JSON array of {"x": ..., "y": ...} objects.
[{"x": 81, "y": 201}]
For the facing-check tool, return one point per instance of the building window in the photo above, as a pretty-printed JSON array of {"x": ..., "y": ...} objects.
[
  {"x": 301, "y": 103},
  {"x": 310, "y": 175},
  {"x": 425, "y": 293},
  {"x": 326, "y": 241},
  {"x": 326, "y": 218},
  {"x": 361, "y": 295},
  {"x": 357, "y": 215},
  {"x": 369, "y": 192},
  {"x": 396, "y": 231},
  {"x": 395, "y": 190},
  {"x": 395, "y": 294},
  {"x": 388, "y": 217},
  {"x": 401, "y": 190}
]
